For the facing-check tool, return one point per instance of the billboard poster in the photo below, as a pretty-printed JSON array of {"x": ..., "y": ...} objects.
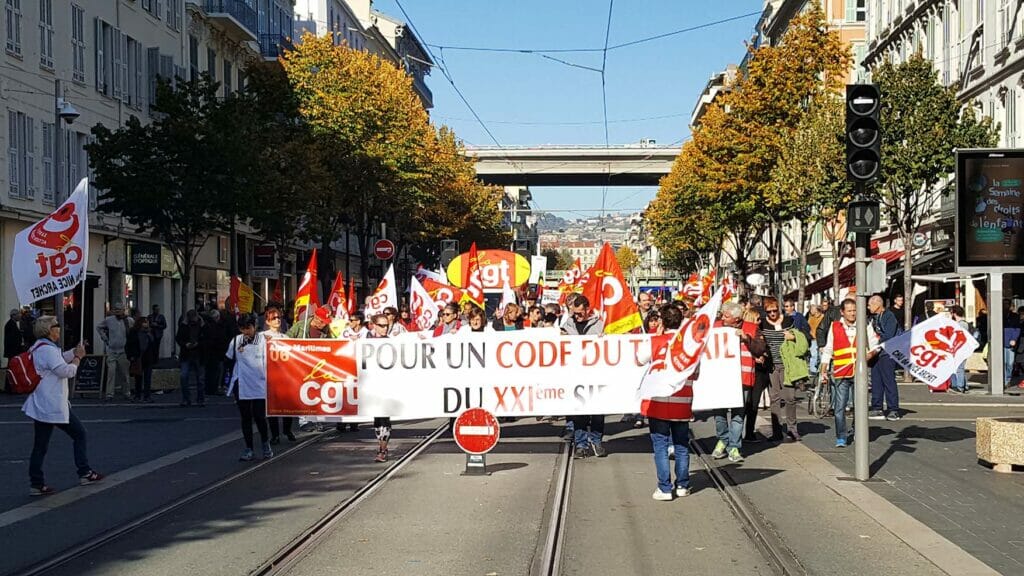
[{"x": 990, "y": 209}]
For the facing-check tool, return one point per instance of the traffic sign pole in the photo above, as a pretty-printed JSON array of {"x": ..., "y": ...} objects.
[{"x": 860, "y": 413}]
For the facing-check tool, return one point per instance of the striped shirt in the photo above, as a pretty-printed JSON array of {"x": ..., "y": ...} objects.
[{"x": 774, "y": 338}]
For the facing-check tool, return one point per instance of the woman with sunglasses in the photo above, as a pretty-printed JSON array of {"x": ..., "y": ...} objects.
[
  {"x": 778, "y": 328},
  {"x": 379, "y": 328},
  {"x": 394, "y": 326},
  {"x": 450, "y": 322},
  {"x": 273, "y": 318}
]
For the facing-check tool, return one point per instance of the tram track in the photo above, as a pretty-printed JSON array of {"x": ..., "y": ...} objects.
[{"x": 80, "y": 550}]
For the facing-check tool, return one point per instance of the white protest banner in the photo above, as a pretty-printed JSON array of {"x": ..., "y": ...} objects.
[
  {"x": 932, "y": 350},
  {"x": 384, "y": 296},
  {"x": 525, "y": 373},
  {"x": 550, "y": 296},
  {"x": 538, "y": 264},
  {"x": 424, "y": 273},
  {"x": 50, "y": 257},
  {"x": 424, "y": 310},
  {"x": 719, "y": 384}
]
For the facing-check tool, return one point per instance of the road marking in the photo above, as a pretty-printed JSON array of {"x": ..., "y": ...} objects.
[
  {"x": 26, "y": 420},
  {"x": 71, "y": 495},
  {"x": 964, "y": 404}
]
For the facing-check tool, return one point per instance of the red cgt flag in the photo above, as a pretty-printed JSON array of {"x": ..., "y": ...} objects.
[
  {"x": 475, "y": 287},
  {"x": 351, "y": 300},
  {"x": 442, "y": 294},
  {"x": 337, "y": 299},
  {"x": 606, "y": 289},
  {"x": 307, "y": 293},
  {"x": 570, "y": 281}
]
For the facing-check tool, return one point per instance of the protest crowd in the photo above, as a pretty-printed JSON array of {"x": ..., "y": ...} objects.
[{"x": 225, "y": 352}]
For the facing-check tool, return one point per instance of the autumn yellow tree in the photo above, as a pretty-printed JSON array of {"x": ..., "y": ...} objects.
[{"x": 723, "y": 176}]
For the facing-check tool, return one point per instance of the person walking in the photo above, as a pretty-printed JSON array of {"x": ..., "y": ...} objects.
[
  {"x": 249, "y": 378},
  {"x": 113, "y": 331},
  {"x": 585, "y": 322},
  {"x": 959, "y": 379},
  {"x": 379, "y": 328},
  {"x": 189, "y": 352},
  {"x": 157, "y": 324},
  {"x": 48, "y": 405},
  {"x": 729, "y": 422},
  {"x": 883, "y": 372},
  {"x": 669, "y": 421},
  {"x": 142, "y": 350},
  {"x": 777, "y": 329},
  {"x": 213, "y": 339},
  {"x": 273, "y": 317},
  {"x": 840, "y": 352},
  {"x": 1011, "y": 337}
]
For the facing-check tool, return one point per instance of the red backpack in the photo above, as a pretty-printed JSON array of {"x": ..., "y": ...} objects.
[{"x": 21, "y": 372}]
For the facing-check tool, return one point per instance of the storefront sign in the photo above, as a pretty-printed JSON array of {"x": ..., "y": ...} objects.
[
  {"x": 144, "y": 258},
  {"x": 264, "y": 261}
]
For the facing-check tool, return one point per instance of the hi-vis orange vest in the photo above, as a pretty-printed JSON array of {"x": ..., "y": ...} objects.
[
  {"x": 746, "y": 358},
  {"x": 844, "y": 352},
  {"x": 677, "y": 406}
]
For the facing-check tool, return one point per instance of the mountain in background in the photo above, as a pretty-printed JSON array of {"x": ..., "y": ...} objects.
[{"x": 548, "y": 222}]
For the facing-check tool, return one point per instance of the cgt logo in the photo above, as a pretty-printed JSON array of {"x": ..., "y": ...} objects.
[
  {"x": 946, "y": 339},
  {"x": 56, "y": 232}
]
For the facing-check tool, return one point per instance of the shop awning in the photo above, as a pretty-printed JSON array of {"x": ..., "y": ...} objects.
[
  {"x": 924, "y": 260},
  {"x": 847, "y": 274}
]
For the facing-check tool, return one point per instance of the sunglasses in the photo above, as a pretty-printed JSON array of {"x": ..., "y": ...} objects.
[
  {"x": 772, "y": 311},
  {"x": 381, "y": 325}
]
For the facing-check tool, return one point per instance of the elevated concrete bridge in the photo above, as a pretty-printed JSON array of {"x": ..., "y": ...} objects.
[{"x": 573, "y": 165}]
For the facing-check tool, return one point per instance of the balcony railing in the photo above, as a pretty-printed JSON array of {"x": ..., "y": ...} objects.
[
  {"x": 273, "y": 46},
  {"x": 244, "y": 16}
]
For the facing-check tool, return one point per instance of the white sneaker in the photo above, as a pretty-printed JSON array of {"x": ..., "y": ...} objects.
[
  {"x": 682, "y": 492},
  {"x": 662, "y": 496}
]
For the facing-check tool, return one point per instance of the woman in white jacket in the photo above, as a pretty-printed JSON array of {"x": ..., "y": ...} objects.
[
  {"x": 249, "y": 378},
  {"x": 48, "y": 405}
]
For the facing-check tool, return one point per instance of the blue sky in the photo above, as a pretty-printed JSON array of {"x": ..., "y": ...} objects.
[{"x": 526, "y": 99}]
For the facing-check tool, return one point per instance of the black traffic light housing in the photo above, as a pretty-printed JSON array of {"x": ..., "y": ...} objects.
[{"x": 863, "y": 132}]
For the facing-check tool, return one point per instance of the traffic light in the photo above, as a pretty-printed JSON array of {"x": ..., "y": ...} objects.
[
  {"x": 863, "y": 132},
  {"x": 449, "y": 250},
  {"x": 522, "y": 247}
]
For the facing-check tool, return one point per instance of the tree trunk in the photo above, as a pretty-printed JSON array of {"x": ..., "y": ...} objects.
[
  {"x": 908, "y": 283},
  {"x": 836, "y": 262},
  {"x": 801, "y": 292},
  {"x": 326, "y": 267}
]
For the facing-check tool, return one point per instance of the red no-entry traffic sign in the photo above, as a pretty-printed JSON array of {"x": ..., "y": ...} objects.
[
  {"x": 384, "y": 249},
  {"x": 476, "y": 431}
]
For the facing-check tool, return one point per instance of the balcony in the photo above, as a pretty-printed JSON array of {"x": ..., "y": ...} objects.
[
  {"x": 426, "y": 96},
  {"x": 235, "y": 17},
  {"x": 273, "y": 46}
]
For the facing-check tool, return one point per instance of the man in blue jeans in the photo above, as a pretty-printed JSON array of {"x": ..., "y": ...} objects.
[
  {"x": 883, "y": 373},
  {"x": 840, "y": 350}
]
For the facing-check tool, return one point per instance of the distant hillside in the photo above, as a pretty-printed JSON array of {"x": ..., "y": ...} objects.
[{"x": 548, "y": 222}]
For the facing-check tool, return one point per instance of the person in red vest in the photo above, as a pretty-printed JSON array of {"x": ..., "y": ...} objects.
[
  {"x": 729, "y": 427},
  {"x": 841, "y": 351},
  {"x": 668, "y": 418}
]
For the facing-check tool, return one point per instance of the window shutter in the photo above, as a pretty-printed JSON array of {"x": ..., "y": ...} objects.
[
  {"x": 851, "y": 10},
  {"x": 138, "y": 75},
  {"x": 12, "y": 153},
  {"x": 115, "y": 63},
  {"x": 30, "y": 157},
  {"x": 153, "y": 69},
  {"x": 101, "y": 85},
  {"x": 47, "y": 162}
]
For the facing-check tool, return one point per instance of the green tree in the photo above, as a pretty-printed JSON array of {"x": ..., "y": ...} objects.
[
  {"x": 553, "y": 258},
  {"x": 923, "y": 123},
  {"x": 177, "y": 178},
  {"x": 565, "y": 259}
]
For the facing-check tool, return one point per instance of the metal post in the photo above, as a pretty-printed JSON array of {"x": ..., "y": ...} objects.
[
  {"x": 995, "y": 333},
  {"x": 58, "y": 197},
  {"x": 860, "y": 404}
]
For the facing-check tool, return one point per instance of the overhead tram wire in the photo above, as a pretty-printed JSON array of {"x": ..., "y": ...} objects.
[
  {"x": 604, "y": 94},
  {"x": 593, "y": 50}
]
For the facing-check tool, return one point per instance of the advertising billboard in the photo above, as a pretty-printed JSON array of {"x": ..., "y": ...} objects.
[{"x": 990, "y": 210}]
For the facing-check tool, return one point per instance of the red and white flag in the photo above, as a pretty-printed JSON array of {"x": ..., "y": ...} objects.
[
  {"x": 692, "y": 288},
  {"x": 308, "y": 293},
  {"x": 424, "y": 273},
  {"x": 932, "y": 350},
  {"x": 508, "y": 296},
  {"x": 442, "y": 294},
  {"x": 50, "y": 257},
  {"x": 475, "y": 286},
  {"x": 606, "y": 289},
  {"x": 423, "y": 309},
  {"x": 569, "y": 282},
  {"x": 669, "y": 373},
  {"x": 386, "y": 294},
  {"x": 337, "y": 299}
]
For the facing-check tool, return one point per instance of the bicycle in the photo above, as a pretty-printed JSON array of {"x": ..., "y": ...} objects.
[{"x": 819, "y": 401}]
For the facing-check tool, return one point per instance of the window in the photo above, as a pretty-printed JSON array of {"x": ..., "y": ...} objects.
[
  {"x": 48, "y": 180},
  {"x": 12, "y": 11},
  {"x": 77, "y": 162},
  {"x": 241, "y": 79},
  {"x": 21, "y": 154},
  {"x": 856, "y": 10},
  {"x": 133, "y": 71},
  {"x": 193, "y": 58},
  {"x": 929, "y": 34},
  {"x": 211, "y": 63},
  {"x": 174, "y": 14},
  {"x": 153, "y": 7},
  {"x": 227, "y": 78},
  {"x": 78, "y": 43},
  {"x": 46, "y": 34},
  {"x": 1011, "y": 119}
]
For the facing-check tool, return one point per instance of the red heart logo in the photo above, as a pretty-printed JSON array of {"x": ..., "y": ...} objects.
[{"x": 947, "y": 339}]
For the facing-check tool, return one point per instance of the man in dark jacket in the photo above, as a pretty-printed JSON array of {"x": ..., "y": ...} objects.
[
  {"x": 586, "y": 322},
  {"x": 831, "y": 314},
  {"x": 213, "y": 342},
  {"x": 13, "y": 341},
  {"x": 187, "y": 338},
  {"x": 883, "y": 373}
]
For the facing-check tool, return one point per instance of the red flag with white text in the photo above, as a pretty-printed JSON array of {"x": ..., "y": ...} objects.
[
  {"x": 308, "y": 293},
  {"x": 337, "y": 299},
  {"x": 475, "y": 287},
  {"x": 606, "y": 289}
]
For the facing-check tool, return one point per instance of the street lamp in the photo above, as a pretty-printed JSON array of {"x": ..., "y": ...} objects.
[{"x": 63, "y": 111}]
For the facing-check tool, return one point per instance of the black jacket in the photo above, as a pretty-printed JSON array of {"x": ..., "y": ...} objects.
[
  {"x": 187, "y": 338},
  {"x": 13, "y": 339},
  {"x": 831, "y": 315}
]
